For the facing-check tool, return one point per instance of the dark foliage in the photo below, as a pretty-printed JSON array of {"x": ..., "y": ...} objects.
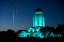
[{"x": 12, "y": 34}]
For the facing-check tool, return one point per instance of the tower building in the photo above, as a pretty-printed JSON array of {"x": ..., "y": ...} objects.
[
  {"x": 35, "y": 31},
  {"x": 38, "y": 22},
  {"x": 38, "y": 19}
]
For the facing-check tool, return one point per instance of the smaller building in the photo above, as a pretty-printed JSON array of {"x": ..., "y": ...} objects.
[
  {"x": 35, "y": 32},
  {"x": 31, "y": 32}
]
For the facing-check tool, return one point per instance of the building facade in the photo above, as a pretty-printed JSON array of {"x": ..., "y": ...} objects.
[{"x": 38, "y": 23}]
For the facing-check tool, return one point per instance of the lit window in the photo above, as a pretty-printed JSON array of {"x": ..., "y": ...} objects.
[
  {"x": 36, "y": 13},
  {"x": 39, "y": 12},
  {"x": 33, "y": 30}
]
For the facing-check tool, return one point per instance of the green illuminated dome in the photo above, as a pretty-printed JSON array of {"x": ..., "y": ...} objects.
[{"x": 38, "y": 19}]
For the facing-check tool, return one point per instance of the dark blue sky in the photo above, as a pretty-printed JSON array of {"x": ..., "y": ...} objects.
[{"x": 53, "y": 11}]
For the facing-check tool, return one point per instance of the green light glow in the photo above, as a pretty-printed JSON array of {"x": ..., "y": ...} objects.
[
  {"x": 38, "y": 19},
  {"x": 38, "y": 12},
  {"x": 38, "y": 22}
]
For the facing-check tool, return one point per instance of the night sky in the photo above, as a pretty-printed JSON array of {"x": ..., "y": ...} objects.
[{"x": 53, "y": 12}]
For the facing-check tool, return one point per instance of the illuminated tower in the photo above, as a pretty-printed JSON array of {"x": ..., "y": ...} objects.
[{"x": 38, "y": 19}]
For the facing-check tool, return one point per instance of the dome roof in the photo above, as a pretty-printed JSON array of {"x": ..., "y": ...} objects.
[{"x": 38, "y": 9}]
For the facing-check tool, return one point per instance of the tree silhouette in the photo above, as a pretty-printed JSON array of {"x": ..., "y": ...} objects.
[
  {"x": 60, "y": 29},
  {"x": 10, "y": 33}
]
